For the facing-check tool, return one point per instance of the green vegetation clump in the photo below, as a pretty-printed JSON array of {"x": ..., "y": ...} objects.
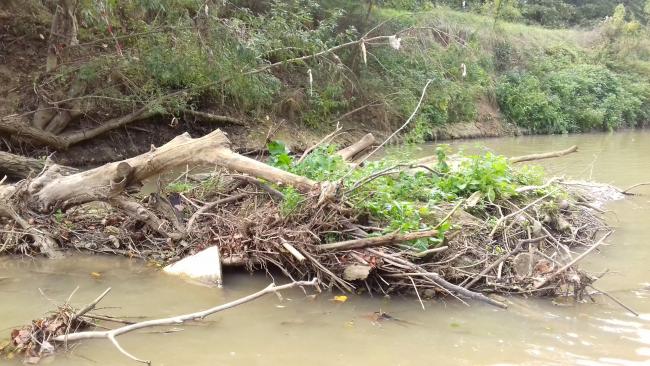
[
  {"x": 576, "y": 98},
  {"x": 403, "y": 199}
]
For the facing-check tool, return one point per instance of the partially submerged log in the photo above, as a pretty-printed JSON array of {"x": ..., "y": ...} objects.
[
  {"x": 351, "y": 151},
  {"x": 432, "y": 159},
  {"x": 547, "y": 155}
]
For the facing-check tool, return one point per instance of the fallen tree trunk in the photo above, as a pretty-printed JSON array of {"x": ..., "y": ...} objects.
[
  {"x": 52, "y": 189},
  {"x": 15, "y": 125},
  {"x": 17, "y": 166},
  {"x": 433, "y": 159},
  {"x": 349, "y": 152}
]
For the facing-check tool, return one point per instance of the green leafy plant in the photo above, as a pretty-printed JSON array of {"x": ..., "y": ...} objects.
[
  {"x": 180, "y": 187},
  {"x": 290, "y": 202}
]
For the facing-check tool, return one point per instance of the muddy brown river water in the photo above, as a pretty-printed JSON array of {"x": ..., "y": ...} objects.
[{"x": 299, "y": 331}]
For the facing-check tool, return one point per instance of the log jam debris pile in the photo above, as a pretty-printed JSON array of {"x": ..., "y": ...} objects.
[
  {"x": 459, "y": 226},
  {"x": 456, "y": 226}
]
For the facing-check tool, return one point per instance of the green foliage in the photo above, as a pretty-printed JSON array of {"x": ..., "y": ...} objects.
[
  {"x": 179, "y": 187},
  {"x": 575, "y": 98},
  {"x": 205, "y": 50},
  {"x": 406, "y": 201},
  {"x": 59, "y": 216},
  {"x": 279, "y": 155},
  {"x": 552, "y": 13},
  {"x": 324, "y": 104},
  {"x": 321, "y": 164},
  {"x": 290, "y": 202},
  {"x": 508, "y": 10},
  {"x": 489, "y": 174}
]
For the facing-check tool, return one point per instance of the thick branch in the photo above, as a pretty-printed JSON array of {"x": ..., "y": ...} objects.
[
  {"x": 378, "y": 240},
  {"x": 349, "y": 152},
  {"x": 546, "y": 155},
  {"x": 14, "y": 125},
  {"x": 214, "y": 118}
]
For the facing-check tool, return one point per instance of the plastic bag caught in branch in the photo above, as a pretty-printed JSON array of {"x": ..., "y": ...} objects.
[{"x": 395, "y": 42}]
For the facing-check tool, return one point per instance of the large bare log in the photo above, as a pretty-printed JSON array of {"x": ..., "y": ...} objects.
[
  {"x": 354, "y": 149},
  {"x": 17, "y": 166},
  {"x": 111, "y": 335},
  {"x": 433, "y": 159},
  {"x": 52, "y": 189}
]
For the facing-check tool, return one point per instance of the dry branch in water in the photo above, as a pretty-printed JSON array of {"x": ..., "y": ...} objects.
[
  {"x": 547, "y": 155},
  {"x": 112, "y": 335}
]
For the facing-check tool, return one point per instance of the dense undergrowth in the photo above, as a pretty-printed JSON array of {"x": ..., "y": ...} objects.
[{"x": 176, "y": 55}]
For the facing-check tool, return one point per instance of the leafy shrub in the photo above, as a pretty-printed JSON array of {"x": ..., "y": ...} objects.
[
  {"x": 524, "y": 102},
  {"x": 577, "y": 98}
]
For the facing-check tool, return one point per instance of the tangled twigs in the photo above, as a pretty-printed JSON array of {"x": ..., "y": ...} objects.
[
  {"x": 438, "y": 280},
  {"x": 494, "y": 264},
  {"x": 574, "y": 261},
  {"x": 112, "y": 335}
]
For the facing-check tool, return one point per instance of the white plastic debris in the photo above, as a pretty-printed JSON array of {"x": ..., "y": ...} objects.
[
  {"x": 204, "y": 266},
  {"x": 464, "y": 69},
  {"x": 395, "y": 42},
  {"x": 363, "y": 53},
  {"x": 311, "y": 83}
]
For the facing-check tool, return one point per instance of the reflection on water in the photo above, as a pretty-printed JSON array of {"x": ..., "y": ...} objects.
[{"x": 297, "y": 331}]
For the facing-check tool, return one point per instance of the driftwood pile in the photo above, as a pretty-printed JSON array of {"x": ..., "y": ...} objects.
[{"x": 531, "y": 247}]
